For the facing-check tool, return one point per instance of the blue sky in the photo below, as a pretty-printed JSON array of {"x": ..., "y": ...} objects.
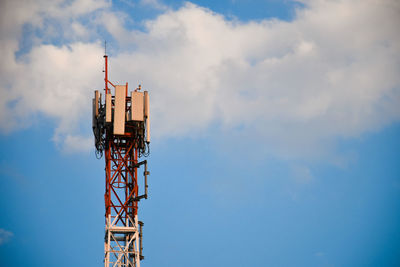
[{"x": 275, "y": 130}]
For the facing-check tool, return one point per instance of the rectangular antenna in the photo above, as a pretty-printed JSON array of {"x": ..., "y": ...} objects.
[{"x": 119, "y": 110}]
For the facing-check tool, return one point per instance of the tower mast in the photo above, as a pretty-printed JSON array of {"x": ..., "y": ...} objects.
[{"x": 121, "y": 126}]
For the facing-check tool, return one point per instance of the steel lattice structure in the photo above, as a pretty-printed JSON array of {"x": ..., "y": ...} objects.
[{"x": 121, "y": 129}]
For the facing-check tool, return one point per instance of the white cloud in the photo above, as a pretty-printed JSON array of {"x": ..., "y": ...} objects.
[
  {"x": 293, "y": 86},
  {"x": 54, "y": 81},
  {"x": 156, "y": 4},
  {"x": 74, "y": 143},
  {"x": 5, "y": 236}
]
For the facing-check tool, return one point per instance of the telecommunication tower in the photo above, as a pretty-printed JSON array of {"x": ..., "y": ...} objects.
[{"x": 121, "y": 126}]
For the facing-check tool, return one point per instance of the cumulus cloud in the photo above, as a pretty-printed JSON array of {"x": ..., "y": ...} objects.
[
  {"x": 51, "y": 80},
  {"x": 331, "y": 72},
  {"x": 294, "y": 86}
]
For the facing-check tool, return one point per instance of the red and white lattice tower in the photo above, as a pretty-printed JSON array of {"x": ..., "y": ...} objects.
[{"x": 121, "y": 128}]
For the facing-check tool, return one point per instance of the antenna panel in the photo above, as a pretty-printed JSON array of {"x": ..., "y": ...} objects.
[
  {"x": 119, "y": 110},
  {"x": 137, "y": 108},
  {"x": 96, "y": 97},
  {"x": 108, "y": 107},
  {"x": 93, "y": 112}
]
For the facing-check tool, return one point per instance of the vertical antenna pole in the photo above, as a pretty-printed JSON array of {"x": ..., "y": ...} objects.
[{"x": 106, "y": 68}]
